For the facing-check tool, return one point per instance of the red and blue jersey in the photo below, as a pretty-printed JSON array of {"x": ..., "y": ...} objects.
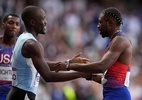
[
  {"x": 5, "y": 69},
  {"x": 117, "y": 75},
  {"x": 117, "y": 82}
]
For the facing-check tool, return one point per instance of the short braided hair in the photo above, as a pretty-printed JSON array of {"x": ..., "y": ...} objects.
[{"x": 113, "y": 13}]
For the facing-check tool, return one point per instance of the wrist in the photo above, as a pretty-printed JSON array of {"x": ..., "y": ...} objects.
[
  {"x": 103, "y": 80},
  {"x": 90, "y": 77},
  {"x": 67, "y": 64}
]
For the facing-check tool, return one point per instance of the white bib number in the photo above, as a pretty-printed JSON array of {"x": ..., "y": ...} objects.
[
  {"x": 6, "y": 73},
  {"x": 37, "y": 80},
  {"x": 14, "y": 77},
  {"x": 127, "y": 80}
]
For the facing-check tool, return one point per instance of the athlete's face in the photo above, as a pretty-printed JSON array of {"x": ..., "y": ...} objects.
[
  {"x": 11, "y": 26},
  {"x": 102, "y": 26},
  {"x": 40, "y": 22}
]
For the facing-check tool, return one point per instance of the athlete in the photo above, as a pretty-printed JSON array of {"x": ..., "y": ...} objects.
[
  {"x": 116, "y": 62},
  {"x": 28, "y": 58},
  {"x": 11, "y": 26}
]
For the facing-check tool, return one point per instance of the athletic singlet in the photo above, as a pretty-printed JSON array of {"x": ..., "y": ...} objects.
[
  {"x": 5, "y": 69},
  {"x": 117, "y": 75},
  {"x": 25, "y": 76},
  {"x": 117, "y": 81}
]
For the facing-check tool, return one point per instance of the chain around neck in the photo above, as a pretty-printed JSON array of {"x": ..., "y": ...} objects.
[{"x": 114, "y": 34}]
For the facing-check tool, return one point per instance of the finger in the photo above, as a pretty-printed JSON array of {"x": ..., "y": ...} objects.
[
  {"x": 57, "y": 64},
  {"x": 79, "y": 54},
  {"x": 85, "y": 59},
  {"x": 57, "y": 71},
  {"x": 86, "y": 62}
]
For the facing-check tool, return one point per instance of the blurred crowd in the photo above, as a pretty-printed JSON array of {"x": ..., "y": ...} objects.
[{"x": 72, "y": 28}]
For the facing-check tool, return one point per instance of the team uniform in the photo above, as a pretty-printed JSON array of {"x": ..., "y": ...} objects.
[
  {"x": 25, "y": 76},
  {"x": 117, "y": 82},
  {"x": 5, "y": 71}
]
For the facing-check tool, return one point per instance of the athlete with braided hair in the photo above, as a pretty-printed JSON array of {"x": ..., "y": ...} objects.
[
  {"x": 116, "y": 62},
  {"x": 113, "y": 13}
]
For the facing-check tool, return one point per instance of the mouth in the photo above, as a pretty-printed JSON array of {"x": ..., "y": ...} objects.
[
  {"x": 45, "y": 27},
  {"x": 13, "y": 31},
  {"x": 100, "y": 32},
  {"x": 99, "y": 29}
]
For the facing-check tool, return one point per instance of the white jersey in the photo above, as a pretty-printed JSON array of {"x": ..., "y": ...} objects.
[{"x": 25, "y": 76}]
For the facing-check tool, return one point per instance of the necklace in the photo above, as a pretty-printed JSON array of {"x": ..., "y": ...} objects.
[{"x": 114, "y": 34}]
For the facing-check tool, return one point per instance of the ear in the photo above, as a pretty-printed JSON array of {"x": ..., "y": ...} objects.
[
  {"x": 32, "y": 22},
  {"x": 109, "y": 23},
  {"x": 3, "y": 25}
]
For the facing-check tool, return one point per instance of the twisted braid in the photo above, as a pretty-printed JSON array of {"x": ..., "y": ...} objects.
[{"x": 113, "y": 13}]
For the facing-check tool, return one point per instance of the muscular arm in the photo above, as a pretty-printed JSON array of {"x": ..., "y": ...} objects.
[
  {"x": 97, "y": 78},
  {"x": 117, "y": 47},
  {"x": 34, "y": 50},
  {"x": 51, "y": 65},
  {"x": 75, "y": 59}
]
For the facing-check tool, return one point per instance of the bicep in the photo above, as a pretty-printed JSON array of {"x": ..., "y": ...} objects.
[
  {"x": 109, "y": 58},
  {"x": 36, "y": 54},
  {"x": 113, "y": 54}
]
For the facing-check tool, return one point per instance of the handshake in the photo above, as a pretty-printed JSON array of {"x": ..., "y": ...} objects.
[
  {"x": 64, "y": 66},
  {"x": 71, "y": 64}
]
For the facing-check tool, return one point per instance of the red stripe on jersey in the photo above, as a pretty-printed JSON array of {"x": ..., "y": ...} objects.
[{"x": 116, "y": 75}]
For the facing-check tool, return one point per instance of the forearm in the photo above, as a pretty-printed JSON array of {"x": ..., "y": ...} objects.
[
  {"x": 88, "y": 68},
  {"x": 97, "y": 78},
  {"x": 51, "y": 64},
  {"x": 61, "y": 77}
]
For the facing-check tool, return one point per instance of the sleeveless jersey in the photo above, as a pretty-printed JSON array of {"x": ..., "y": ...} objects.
[
  {"x": 117, "y": 81},
  {"x": 5, "y": 69},
  {"x": 25, "y": 76},
  {"x": 117, "y": 75}
]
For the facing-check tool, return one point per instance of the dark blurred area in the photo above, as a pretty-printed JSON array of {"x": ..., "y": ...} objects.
[{"x": 72, "y": 28}]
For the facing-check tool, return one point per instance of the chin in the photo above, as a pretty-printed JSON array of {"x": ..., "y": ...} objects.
[
  {"x": 43, "y": 33},
  {"x": 102, "y": 35}
]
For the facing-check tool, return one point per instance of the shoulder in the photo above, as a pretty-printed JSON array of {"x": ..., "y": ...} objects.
[
  {"x": 31, "y": 47},
  {"x": 31, "y": 44},
  {"x": 120, "y": 42}
]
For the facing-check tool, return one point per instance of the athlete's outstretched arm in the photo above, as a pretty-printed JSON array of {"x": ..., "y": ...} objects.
[
  {"x": 118, "y": 45},
  {"x": 76, "y": 59},
  {"x": 34, "y": 50}
]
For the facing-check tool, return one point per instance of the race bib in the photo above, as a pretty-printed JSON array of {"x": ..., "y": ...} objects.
[
  {"x": 6, "y": 73},
  {"x": 36, "y": 83},
  {"x": 127, "y": 80},
  {"x": 14, "y": 77}
]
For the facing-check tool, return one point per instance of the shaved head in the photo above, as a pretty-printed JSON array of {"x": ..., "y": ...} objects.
[{"x": 29, "y": 12}]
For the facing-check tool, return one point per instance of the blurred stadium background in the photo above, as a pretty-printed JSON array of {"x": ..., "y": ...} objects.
[{"x": 72, "y": 28}]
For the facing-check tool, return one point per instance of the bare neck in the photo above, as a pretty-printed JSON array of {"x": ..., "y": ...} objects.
[
  {"x": 114, "y": 32},
  {"x": 8, "y": 41},
  {"x": 32, "y": 32}
]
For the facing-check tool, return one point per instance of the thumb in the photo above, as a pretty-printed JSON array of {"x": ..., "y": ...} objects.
[{"x": 79, "y": 54}]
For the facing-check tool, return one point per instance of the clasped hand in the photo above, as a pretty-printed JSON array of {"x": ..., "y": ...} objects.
[{"x": 62, "y": 66}]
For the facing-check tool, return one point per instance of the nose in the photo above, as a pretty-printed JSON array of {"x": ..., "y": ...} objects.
[
  {"x": 98, "y": 27},
  {"x": 14, "y": 25},
  {"x": 45, "y": 22}
]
